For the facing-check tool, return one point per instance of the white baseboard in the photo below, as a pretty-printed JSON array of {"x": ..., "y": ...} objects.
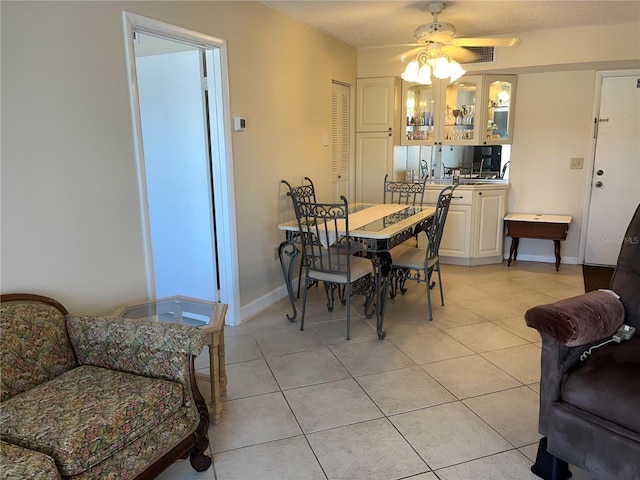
[
  {"x": 544, "y": 259},
  {"x": 265, "y": 301}
]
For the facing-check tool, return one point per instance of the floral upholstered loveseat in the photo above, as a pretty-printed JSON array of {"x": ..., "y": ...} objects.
[{"x": 88, "y": 397}]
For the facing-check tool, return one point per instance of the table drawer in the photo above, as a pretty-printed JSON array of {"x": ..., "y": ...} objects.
[{"x": 543, "y": 230}]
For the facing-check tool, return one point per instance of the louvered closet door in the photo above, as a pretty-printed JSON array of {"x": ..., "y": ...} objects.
[{"x": 340, "y": 149}]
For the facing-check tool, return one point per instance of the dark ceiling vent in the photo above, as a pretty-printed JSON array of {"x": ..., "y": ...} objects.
[{"x": 482, "y": 54}]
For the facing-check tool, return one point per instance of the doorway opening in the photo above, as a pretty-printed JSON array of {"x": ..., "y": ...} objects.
[{"x": 179, "y": 102}]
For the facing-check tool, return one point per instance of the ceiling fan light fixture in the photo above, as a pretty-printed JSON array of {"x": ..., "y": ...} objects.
[
  {"x": 441, "y": 69},
  {"x": 410, "y": 73},
  {"x": 455, "y": 71},
  {"x": 424, "y": 75}
]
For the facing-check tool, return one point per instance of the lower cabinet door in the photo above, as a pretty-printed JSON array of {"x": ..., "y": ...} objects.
[
  {"x": 456, "y": 238},
  {"x": 489, "y": 212}
]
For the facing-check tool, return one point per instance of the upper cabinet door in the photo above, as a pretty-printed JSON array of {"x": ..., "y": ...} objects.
[
  {"x": 500, "y": 96},
  {"x": 376, "y": 104},
  {"x": 460, "y": 111}
]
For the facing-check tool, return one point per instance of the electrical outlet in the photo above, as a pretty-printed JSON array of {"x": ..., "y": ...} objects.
[{"x": 577, "y": 163}]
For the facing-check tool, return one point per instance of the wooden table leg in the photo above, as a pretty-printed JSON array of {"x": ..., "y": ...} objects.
[
  {"x": 223, "y": 364},
  {"x": 513, "y": 252},
  {"x": 556, "y": 249},
  {"x": 214, "y": 366}
]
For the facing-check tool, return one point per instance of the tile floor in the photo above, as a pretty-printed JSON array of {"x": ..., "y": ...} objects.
[{"x": 451, "y": 399}]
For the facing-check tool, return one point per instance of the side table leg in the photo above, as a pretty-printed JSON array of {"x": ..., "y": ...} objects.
[
  {"x": 223, "y": 364},
  {"x": 214, "y": 366},
  {"x": 288, "y": 252},
  {"x": 513, "y": 252},
  {"x": 556, "y": 249}
]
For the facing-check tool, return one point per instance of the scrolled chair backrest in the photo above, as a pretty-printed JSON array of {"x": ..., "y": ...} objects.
[
  {"x": 440, "y": 216},
  {"x": 324, "y": 234},
  {"x": 407, "y": 193},
  {"x": 304, "y": 192}
]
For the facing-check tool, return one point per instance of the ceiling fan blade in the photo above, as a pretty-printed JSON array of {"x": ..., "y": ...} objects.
[
  {"x": 486, "y": 42},
  {"x": 407, "y": 56},
  {"x": 460, "y": 54}
]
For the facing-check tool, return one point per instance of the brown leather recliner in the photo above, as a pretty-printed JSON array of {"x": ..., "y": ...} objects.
[{"x": 590, "y": 383}]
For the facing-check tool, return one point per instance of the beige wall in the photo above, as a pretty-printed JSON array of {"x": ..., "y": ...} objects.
[
  {"x": 553, "y": 120},
  {"x": 71, "y": 225}
]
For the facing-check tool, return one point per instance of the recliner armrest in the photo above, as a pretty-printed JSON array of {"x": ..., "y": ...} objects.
[{"x": 578, "y": 320}]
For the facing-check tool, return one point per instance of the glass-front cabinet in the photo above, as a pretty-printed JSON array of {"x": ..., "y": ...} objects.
[
  {"x": 441, "y": 113},
  {"x": 474, "y": 110},
  {"x": 500, "y": 101}
]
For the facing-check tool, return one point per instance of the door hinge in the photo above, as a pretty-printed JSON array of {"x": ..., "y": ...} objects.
[{"x": 205, "y": 83}]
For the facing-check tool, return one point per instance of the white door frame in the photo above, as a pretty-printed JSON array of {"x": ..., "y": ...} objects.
[
  {"x": 222, "y": 157},
  {"x": 588, "y": 187}
]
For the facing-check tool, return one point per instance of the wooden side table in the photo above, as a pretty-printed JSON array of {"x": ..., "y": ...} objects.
[
  {"x": 208, "y": 317},
  {"x": 546, "y": 227}
]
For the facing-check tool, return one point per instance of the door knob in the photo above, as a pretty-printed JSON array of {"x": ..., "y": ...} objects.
[
  {"x": 600, "y": 172},
  {"x": 599, "y": 184}
]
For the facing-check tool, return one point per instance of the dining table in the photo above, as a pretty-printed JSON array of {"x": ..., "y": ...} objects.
[{"x": 374, "y": 229}]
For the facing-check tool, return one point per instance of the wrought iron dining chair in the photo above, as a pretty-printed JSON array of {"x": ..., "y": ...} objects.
[
  {"x": 305, "y": 192},
  {"x": 418, "y": 264},
  {"x": 404, "y": 193},
  {"x": 407, "y": 193},
  {"x": 327, "y": 251}
]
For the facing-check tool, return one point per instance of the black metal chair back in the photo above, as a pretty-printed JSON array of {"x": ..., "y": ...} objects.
[{"x": 407, "y": 193}]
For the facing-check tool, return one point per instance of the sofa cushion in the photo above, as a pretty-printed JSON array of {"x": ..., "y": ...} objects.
[
  {"x": 34, "y": 346},
  {"x": 604, "y": 384},
  {"x": 23, "y": 464},
  {"x": 86, "y": 414}
]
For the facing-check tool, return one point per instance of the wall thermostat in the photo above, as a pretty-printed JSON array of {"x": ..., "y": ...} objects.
[{"x": 239, "y": 123}]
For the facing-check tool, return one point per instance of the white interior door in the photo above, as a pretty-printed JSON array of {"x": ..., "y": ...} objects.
[
  {"x": 615, "y": 186},
  {"x": 340, "y": 109}
]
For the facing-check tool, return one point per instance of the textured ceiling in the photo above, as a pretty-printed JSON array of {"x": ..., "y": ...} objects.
[{"x": 376, "y": 23}]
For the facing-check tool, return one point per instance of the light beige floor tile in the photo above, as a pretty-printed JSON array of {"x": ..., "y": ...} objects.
[
  {"x": 470, "y": 376},
  {"x": 518, "y": 326},
  {"x": 409, "y": 322},
  {"x": 288, "y": 459},
  {"x": 511, "y": 465},
  {"x": 512, "y": 413},
  {"x": 366, "y": 451},
  {"x": 504, "y": 288},
  {"x": 455, "y": 315},
  {"x": 521, "y": 362},
  {"x": 530, "y": 451},
  {"x": 275, "y": 316},
  {"x": 330, "y": 405},
  {"x": 460, "y": 293},
  {"x": 484, "y": 337},
  {"x": 233, "y": 330},
  {"x": 371, "y": 357},
  {"x": 280, "y": 341},
  {"x": 249, "y": 378},
  {"x": 525, "y": 302},
  {"x": 403, "y": 390},
  {"x": 491, "y": 309},
  {"x": 306, "y": 368},
  {"x": 430, "y": 347},
  {"x": 448, "y": 434},
  {"x": 535, "y": 387},
  {"x": 240, "y": 348},
  {"x": 182, "y": 469},
  {"x": 253, "y": 420},
  {"x": 334, "y": 333}
]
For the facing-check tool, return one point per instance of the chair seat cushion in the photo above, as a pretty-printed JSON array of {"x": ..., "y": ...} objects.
[
  {"x": 86, "y": 414},
  {"x": 411, "y": 257},
  {"x": 606, "y": 384},
  {"x": 359, "y": 268}
]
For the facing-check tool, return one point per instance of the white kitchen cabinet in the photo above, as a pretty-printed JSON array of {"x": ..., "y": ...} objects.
[
  {"x": 473, "y": 232},
  {"x": 442, "y": 113},
  {"x": 499, "y": 97},
  {"x": 474, "y": 110},
  {"x": 377, "y": 101},
  {"x": 489, "y": 210},
  {"x": 374, "y": 159}
]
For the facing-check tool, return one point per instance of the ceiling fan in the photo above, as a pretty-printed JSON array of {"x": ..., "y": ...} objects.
[
  {"x": 441, "y": 52},
  {"x": 443, "y": 36}
]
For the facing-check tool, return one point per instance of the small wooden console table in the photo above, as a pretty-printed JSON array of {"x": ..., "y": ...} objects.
[{"x": 546, "y": 227}]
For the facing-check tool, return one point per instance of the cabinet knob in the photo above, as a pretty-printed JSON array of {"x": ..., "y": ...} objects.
[
  {"x": 390, "y": 129},
  {"x": 479, "y": 193},
  {"x": 390, "y": 134},
  {"x": 599, "y": 184},
  {"x": 600, "y": 172}
]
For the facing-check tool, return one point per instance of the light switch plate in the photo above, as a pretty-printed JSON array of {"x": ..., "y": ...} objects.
[{"x": 577, "y": 163}]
